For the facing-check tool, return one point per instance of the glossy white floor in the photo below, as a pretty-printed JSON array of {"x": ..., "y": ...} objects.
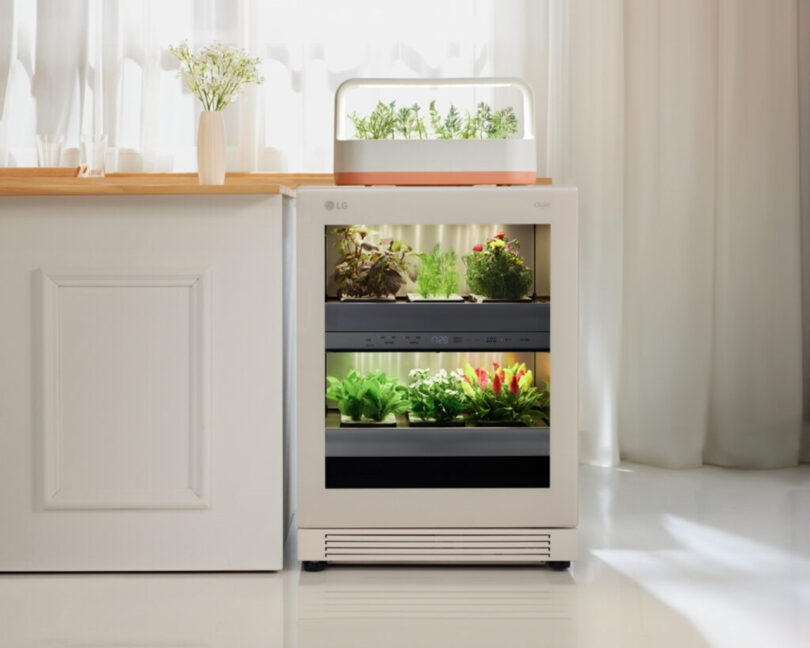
[{"x": 705, "y": 557}]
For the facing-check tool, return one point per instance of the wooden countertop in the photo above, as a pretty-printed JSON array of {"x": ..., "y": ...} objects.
[
  {"x": 22, "y": 181},
  {"x": 64, "y": 182}
]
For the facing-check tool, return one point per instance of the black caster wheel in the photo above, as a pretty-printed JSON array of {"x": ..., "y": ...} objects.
[
  {"x": 559, "y": 565},
  {"x": 314, "y": 565}
]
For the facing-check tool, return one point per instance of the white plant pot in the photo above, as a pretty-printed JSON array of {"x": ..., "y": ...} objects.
[
  {"x": 435, "y": 162},
  {"x": 211, "y": 148}
]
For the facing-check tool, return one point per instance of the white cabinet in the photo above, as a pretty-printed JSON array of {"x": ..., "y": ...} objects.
[{"x": 141, "y": 382}]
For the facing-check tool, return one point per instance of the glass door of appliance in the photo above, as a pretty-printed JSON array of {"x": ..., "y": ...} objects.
[{"x": 435, "y": 407}]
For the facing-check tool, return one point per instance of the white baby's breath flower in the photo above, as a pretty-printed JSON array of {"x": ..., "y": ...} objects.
[{"x": 216, "y": 73}]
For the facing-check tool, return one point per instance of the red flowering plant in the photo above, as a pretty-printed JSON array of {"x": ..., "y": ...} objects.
[
  {"x": 504, "y": 395},
  {"x": 496, "y": 270}
]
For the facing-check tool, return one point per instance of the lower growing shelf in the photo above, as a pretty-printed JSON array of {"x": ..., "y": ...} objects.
[{"x": 467, "y": 457}]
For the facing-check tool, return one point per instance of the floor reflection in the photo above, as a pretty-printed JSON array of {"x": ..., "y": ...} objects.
[
  {"x": 361, "y": 607},
  {"x": 354, "y": 607}
]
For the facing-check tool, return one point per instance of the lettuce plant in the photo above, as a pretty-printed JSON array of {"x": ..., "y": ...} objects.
[
  {"x": 367, "y": 268},
  {"x": 496, "y": 270},
  {"x": 504, "y": 395},
  {"x": 439, "y": 398},
  {"x": 437, "y": 275},
  {"x": 369, "y": 398}
]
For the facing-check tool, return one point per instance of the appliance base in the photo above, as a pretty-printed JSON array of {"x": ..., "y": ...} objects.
[
  {"x": 557, "y": 547},
  {"x": 432, "y": 178}
]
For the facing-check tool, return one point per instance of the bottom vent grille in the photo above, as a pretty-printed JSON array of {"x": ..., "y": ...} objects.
[{"x": 416, "y": 546}]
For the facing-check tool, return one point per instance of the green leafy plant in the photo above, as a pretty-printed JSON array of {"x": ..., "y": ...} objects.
[
  {"x": 369, "y": 398},
  {"x": 439, "y": 398},
  {"x": 369, "y": 267},
  {"x": 501, "y": 124},
  {"x": 381, "y": 123},
  {"x": 496, "y": 270},
  {"x": 437, "y": 274},
  {"x": 388, "y": 122},
  {"x": 448, "y": 127},
  {"x": 475, "y": 125},
  {"x": 216, "y": 73},
  {"x": 504, "y": 395},
  {"x": 409, "y": 124}
]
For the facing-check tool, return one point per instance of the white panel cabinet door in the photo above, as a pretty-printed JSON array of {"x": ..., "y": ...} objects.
[{"x": 141, "y": 383}]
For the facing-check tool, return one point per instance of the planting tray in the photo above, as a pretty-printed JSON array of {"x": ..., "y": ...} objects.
[
  {"x": 383, "y": 300},
  {"x": 480, "y": 299},
  {"x": 415, "y": 297},
  {"x": 414, "y": 421},
  {"x": 388, "y": 422},
  {"x": 437, "y": 442},
  {"x": 435, "y": 161}
]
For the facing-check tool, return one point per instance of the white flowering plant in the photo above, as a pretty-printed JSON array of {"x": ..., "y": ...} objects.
[
  {"x": 438, "y": 398},
  {"x": 216, "y": 73}
]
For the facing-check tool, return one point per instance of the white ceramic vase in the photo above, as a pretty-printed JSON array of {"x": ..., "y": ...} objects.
[{"x": 211, "y": 148}]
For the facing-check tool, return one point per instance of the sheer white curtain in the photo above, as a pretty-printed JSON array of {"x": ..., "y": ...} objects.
[
  {"x": 51, "y": 51},
  {"x": 679, "y": 121},
  {"x": 684, "y": 124}
]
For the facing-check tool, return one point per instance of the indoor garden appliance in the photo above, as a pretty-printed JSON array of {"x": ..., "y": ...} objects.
[{"x": 432, "y": 351}]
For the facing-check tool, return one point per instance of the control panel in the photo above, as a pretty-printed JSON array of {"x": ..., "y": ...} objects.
[{"x": 436, "y": 341}]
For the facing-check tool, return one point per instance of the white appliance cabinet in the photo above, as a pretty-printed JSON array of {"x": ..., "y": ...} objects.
[{"x": 405, "y": 494}]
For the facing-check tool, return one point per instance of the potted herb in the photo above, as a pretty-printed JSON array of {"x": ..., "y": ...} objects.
[
  {"x": 504, "y": 396},
  {"x": 215, "y": 74},
  {"x": 368, "y": 268},
  {"x": 437, "y": 277},
  {"x": 367, "y": 401},
  {"x": 436, "y": 400},
  {"x": 496, "y": 271}
]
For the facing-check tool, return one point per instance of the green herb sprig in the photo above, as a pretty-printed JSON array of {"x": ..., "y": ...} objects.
[{"x": 437, "y": 274}]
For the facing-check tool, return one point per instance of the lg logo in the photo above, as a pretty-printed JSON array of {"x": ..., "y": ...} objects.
[
  {"x": 331, "y": 204},
  {"x": 538, "y": 204}
]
